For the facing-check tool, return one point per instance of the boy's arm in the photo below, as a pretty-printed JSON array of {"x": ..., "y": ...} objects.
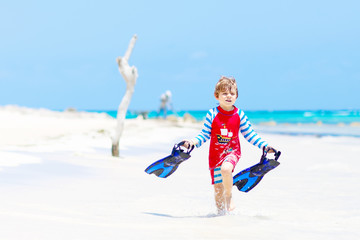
[{"x": 249, "y": 133}]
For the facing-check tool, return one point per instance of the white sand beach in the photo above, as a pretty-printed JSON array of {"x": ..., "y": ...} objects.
[{"x": 59, "y": 181}]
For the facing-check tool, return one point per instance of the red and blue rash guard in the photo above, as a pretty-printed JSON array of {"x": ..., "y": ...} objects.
[{"x": 222, "y": 128}]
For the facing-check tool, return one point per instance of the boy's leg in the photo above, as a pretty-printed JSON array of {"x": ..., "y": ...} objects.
[
  {"x": 219, "y": 197},
  {"x": 226, "y": 172}
]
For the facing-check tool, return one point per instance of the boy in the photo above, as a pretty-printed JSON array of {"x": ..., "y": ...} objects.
[{"x": 221, "y": 127}]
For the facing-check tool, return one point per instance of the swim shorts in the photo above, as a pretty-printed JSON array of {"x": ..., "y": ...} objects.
[{"x": 215, "y": 173}]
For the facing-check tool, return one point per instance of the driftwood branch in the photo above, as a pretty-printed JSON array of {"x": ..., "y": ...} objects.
[{"x": 130, "y": 74}]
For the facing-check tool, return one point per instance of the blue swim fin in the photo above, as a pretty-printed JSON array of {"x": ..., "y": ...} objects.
[
  {"x": 248, "y": 178},
  {"x": 168, "y": 165}
]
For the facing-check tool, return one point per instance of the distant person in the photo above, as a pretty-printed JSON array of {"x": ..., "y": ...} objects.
[
  {"x": 165, "y": 104},
  {"x": 222, "y": 126}
]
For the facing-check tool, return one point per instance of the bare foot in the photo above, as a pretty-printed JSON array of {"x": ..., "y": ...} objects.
[{"x": 230, "y": 206}]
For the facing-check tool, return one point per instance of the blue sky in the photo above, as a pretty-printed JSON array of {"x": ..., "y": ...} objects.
[{"x": 284, "y": 54}]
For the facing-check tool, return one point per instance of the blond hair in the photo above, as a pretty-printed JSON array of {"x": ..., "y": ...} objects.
[{"x": 225, "y": 84}]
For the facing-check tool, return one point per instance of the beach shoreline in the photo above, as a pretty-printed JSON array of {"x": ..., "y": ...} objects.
[
  {"x": 58, "y": 176},
  {"x": 22, "y": 125}
]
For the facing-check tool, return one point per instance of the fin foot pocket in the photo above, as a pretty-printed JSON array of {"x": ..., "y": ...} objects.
[{"x": 168, "y": 165}]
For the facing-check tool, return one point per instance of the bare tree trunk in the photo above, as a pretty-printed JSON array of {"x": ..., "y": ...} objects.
[{"x": 130, "y": 75}]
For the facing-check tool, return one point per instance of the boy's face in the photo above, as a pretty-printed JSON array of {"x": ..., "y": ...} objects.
[{"x": 227, "y": 99}]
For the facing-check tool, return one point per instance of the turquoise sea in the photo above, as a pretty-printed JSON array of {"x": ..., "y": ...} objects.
[
  {"x": 256, "y": 117},
  {"x": 298, "y": 122}
]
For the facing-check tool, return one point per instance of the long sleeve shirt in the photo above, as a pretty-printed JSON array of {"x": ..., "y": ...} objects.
[{"x": 222, "y": 129}]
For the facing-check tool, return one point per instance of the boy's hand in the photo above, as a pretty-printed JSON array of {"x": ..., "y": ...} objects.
[
  {"x": 188, "y": 144},
  {"x": 270, "y": 149}
]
